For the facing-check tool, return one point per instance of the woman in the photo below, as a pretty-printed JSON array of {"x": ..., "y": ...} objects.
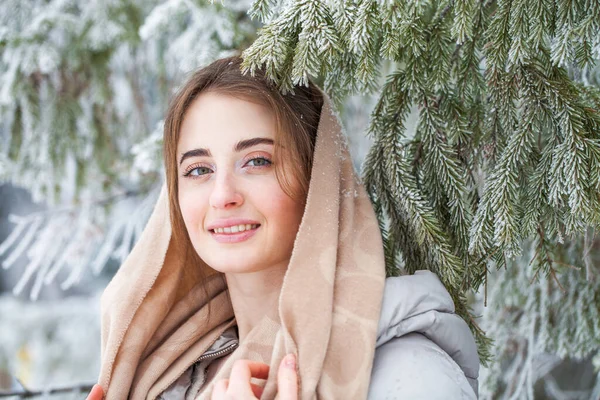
[{"x": 264, "y": 250}]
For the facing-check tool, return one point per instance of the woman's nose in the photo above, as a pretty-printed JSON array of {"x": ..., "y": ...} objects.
[{"x": 225, "y": 193}]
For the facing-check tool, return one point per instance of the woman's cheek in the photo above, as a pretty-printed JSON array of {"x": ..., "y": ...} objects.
[
  {"x": 192, "y": 211},
  {"x": 289, "y": 213}
]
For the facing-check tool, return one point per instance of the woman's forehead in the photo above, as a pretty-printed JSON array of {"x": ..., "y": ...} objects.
[{"x": 223, "y": 121}]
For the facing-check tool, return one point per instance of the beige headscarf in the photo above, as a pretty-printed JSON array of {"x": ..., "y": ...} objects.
[{"x": 154, "y": 313}]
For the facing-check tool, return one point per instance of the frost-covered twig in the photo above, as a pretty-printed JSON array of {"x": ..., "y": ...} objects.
[
  {"x": 587, "y": 259},
  {"x": 74, "y": 237},
  {"x": 528, "y": 319}
]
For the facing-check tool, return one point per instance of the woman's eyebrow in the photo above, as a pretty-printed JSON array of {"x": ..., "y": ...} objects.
[
  {"x": 194, "y": 153},
  {"x": 239, "y": 146},
  {"x": 244, "y": 144}
]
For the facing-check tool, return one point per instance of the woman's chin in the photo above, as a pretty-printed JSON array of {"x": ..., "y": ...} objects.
[{"x": 230, "y": 266}]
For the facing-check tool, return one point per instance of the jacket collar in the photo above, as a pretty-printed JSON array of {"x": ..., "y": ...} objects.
[
  {"x": 411, "y": 303},
  {"x": 420, "y": 303}
]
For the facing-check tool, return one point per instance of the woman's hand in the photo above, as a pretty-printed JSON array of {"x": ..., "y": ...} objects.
[
  {"x": 238, "y": 386},
  {"x": 96, "y": 394}
]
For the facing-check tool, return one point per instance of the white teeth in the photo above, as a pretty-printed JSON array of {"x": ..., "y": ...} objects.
[{"x": 236, "y": 228}]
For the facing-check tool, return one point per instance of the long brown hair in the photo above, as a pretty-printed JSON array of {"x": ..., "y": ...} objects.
[{"x": 296, "y": 115}]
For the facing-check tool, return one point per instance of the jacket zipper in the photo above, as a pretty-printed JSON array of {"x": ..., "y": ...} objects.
[
  {"x": 218, "y": 353},
  {"x": 207, "y": 356}
]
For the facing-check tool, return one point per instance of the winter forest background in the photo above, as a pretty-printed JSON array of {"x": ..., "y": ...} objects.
[{"x": 475, "y": 125}]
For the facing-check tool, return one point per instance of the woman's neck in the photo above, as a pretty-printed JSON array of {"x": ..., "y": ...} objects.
[{"x": 254, "y": 295}]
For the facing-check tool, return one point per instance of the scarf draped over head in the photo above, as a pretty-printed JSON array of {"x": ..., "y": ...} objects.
[{"x": 155, "y": 309}]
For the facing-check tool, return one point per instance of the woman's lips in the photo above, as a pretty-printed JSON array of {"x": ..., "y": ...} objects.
[{"x": 234, "y": 237}]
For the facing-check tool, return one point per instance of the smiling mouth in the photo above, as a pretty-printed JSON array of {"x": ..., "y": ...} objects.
[{"x": 232, "y": 230}]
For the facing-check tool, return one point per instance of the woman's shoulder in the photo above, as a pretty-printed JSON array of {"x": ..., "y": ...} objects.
[
  {"x": 414, "y": 367},
  {"x": 424, "y": 350}
]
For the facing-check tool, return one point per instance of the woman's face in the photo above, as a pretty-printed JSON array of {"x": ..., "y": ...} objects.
[{"x": 236, "y": 214}]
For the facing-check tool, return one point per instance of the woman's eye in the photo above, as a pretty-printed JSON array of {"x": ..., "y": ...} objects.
[
  {"x": 256, "y": 162},
  {"x": 201, "y": 171},
  {"x": 260, "y": 162}
]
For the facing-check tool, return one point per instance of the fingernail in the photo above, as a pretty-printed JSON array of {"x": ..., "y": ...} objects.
[{"x": 290, "y": 361}]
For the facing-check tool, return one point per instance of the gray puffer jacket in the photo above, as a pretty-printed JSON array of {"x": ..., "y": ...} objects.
[{"x": 423, "y": 350}]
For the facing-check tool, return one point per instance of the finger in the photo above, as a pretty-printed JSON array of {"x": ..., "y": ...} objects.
[
  {"x": 96, "y": 393},
  {"x": 220, "y": 389},
  {"x": 257, "y": 390},
  {"x": 246, "y": 369},
  {"x": 287, "y": 378},
  {"x": 242, "y": 371}
]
